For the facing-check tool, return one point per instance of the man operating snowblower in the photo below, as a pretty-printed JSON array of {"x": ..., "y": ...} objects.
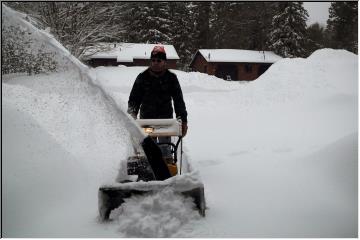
[
  {"x": 155, "y": 157},
  {"x": 153, "y": 92}
]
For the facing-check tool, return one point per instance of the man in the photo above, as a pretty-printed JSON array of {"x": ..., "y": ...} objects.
[{"x": 153, "y": 93}]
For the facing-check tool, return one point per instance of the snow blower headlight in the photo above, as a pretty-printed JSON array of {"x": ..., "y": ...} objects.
[{"x": 149, "y": 130}]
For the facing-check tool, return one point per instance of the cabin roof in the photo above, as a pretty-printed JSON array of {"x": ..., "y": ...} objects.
[
  {"x": 238, "y": 55},
  {"x": 127, "y": 52}
]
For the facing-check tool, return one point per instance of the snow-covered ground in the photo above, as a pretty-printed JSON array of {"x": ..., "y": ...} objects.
[{"x": 278, "y": 156}]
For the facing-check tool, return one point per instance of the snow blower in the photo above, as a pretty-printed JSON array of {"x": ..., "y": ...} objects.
[{"x": 150, "y": 172}]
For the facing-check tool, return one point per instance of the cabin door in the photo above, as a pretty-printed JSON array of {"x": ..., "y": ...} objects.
[{"x": 227, "y": 72}]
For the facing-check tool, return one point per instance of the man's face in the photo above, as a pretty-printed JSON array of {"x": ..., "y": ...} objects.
[{"x": 157, "y": 64}]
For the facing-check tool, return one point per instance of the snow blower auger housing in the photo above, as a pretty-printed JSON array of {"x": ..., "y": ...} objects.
[{"x": 150, "y": 172}]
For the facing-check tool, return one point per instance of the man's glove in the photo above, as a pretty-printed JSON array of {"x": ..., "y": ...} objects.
[
  {"x": 184, "y": 128},
  {"x": 132, "y": 113}
]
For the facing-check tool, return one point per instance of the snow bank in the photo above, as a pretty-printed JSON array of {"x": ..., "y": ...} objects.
[
  {"x": 323, "y": 191},
  {"x": 63, "y": 139},
  {"x": 34, "y": 170},
  {"x": 287, "y": 80},
  {"x": 68, "y": 62},
  {"x": 75, "y": 115},
  {"x": 277, "y": 195},
  {"x": 324, "y": 73}
]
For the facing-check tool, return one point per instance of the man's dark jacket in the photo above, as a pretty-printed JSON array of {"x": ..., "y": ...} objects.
[{"x": 153, "y": 94}]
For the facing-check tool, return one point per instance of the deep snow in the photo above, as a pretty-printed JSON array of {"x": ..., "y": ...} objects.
[{"x": 278, "y": 156}]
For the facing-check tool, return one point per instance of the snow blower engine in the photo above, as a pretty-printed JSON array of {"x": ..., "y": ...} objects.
[{"x": 159, "y": 130}]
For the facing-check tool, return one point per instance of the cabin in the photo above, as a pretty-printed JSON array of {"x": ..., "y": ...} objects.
[
  {"x": 128, "y": 54},
  {"x": 233, "y": 64}
]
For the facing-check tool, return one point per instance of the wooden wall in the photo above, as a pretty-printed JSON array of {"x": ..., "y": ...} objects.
[
  {"x": 245, "y": 71},
  {"x": 201, "y": 65}
]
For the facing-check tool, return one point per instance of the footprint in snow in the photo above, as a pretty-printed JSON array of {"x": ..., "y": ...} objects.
[
  {"x": 210, "y": 162},
  {"x": 282, "y": 150}
]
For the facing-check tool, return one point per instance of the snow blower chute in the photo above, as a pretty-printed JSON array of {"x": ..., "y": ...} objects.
[{"x": 150, "y": 172}]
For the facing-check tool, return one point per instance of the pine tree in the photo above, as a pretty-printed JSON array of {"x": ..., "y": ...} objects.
[
  {"x": 244, "y": 25},
  {"x": 230, "y": 24},
  {"x": 260, "y": 21},
  {"x": 241, "y": 25},
  {"x": 181, "y": 30},
  {"x": 130, "y": 14},
  {"x": 201, "y": 11},
  {"x": 155, "y": 23},
  {"x": 288, "y": 30},
  {"x": 221, "y": 24},
  {"x": 192, "y": 25},
  {"x": 317, "y": 37},
  {"x": 342, "y": 25}
]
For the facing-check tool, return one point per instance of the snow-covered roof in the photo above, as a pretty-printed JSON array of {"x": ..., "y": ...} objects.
[
  {"x": 238, "y": 55},
  {"x": 127, "y": 52}
]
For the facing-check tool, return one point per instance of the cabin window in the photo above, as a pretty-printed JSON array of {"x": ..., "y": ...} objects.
[
  {"x": 205, "y": 69},
  {"x": 248, "y": 68}
]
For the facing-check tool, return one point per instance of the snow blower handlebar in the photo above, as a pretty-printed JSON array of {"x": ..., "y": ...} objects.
[{"x": 160, "y": 127}]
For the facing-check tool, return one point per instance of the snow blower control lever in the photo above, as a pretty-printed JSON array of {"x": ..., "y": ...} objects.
[{"x": 156, "y": 128}]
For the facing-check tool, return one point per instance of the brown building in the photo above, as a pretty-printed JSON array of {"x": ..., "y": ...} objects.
[
  {"x": 233, "y": 64},
  {"x": 128, "y": 54}
]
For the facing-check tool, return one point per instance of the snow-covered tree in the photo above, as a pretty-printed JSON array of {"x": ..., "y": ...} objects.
[
  {"x": 317, "y": 37},
  {"x": 77, "y": 25},
  {"x": 288, "y": 30},
  {"x": 130, "y": 14},
  {"x": 181, "y": 31},
  {"x": 147, "y": 22},
  {"x": 221, "y": 24},
  {"x": 201, "y": 14},
  {"x": 342, "y": 25},
  {"x": 259, "y": 27},
  {"x": 192, "y": 23},
  {"x": 241, "y": 24}
]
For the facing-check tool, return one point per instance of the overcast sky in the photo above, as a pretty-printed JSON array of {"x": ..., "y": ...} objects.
[{"x": 318, "y": 12}]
